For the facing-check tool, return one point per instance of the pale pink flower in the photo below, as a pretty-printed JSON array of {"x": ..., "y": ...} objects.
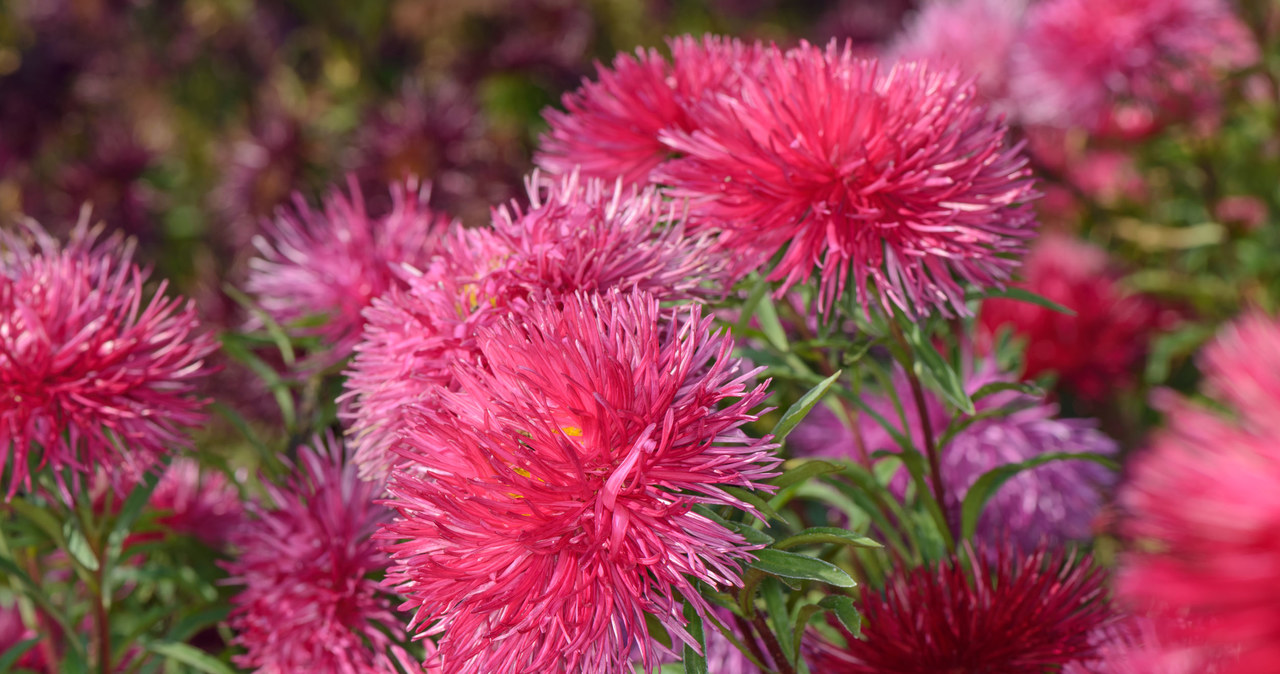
[
  {"x": 95, "y": 372},
  {"x": 545, "y": 509},
  {"x": 327, "y": 266},
  {"x": 310, "y": 600},
  {"x": 896, "y": 183}
]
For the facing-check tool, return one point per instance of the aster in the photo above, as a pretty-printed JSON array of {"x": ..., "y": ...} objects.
[
  {"x": 309, "y": 599},
  {"x": 1242, "y": 368},
  {"x": 897, "y": 182},
  {"x": 546, "y": 509},
  {"x": 1056, "y": 502},
  {"x": 95, "y": 372},
  {"x": 1098, "y": 349},
  {"x": 1008, "y": 613},
  {"x": 1080, "y": 58},
  {"x": 610, "y": 127},
  {"x": 574, "y": 235},
  {"x": 1135, "y": 645},
  {"x": 1203, "y": 506},
  {"x": 332, "y": 263},
  {"x": 197, "y": 502}
]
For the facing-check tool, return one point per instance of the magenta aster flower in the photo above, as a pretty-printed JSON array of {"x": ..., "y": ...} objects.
[
  {"x": 573, "y": 236},
  {"x": 197, "y": 502},
  {"x": 545, "y": 509},
  {"x": 1242, "y": 367},
  {"x": 1056, "y": 502},
  {"x": 310, "y": 600},
  {"x": 94, "y": 371},
  {"x": 610, "y": 127},
  {"x": 333, "y": 263},
  {"x": 898, "y": 182},
  {"x": 1080, "y": 58},
  {"x": 1012, "y": 613},
  {"x": 1203, "y": 506},
  {"x": 1135, "y": 646},
  {"x": 976, "y": 36}
]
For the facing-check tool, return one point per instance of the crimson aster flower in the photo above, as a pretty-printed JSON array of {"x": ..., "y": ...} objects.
[
  {"x": 332, "y": 263},
  {"x": 310, "y": 600},
  {"x": 610, "y": 127},
  {"x": 1011, "y": 613},
  {"x": 545, "y": 509},
  {"x": 898, "y": 182},
  {"x": 95, "y": 372},
  {"x": 1203, "y": 508},
  {"x": 575, "y": 235},
  {"x": 1079, "y": 59},
  {"x": 1098, "y": 349}
]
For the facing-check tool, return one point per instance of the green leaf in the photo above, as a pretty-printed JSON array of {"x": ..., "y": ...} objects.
[
  {"x": 802, "y": 621},
  {"x": 807, "y": 468},
  {"x": 827, "y": 535},
  {"x": 191, "y": 624},
  {"x": 133, "y": 505},
  {"x": 772, "y": 328},
  {"x": 78, "y": 546},
  {"x": 1000, "y": 386},
  {"x": 16, "y": 651},
  {"x": 751, "y": 534},
  {"x": 1024, "y": 295},
  {"x": 751, "y": 498},
  {"x": 975, "y": 500},
  {"x": 845, "y": 612},
  {"x": 775, "y": 602},
  {"x": 191, "y": 656},
  {"x": 817, "y": 490},
  {"x": 791, "y": 565},
  {"x": 930, "y": 363},
  {"x": 273, "y": 328},
  {"x": 800, "y": 409},
  {"x": 694, "y": 662},
  {"x": 748, "y": 310},
  {"x": 36, "y": 594}
]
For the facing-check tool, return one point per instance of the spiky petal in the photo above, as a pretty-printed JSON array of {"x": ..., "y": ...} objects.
[
  {"x": 1012, "y": 613},
  {"x": 95, "y": 373},
  {"x": 545, "y": 509},
  {"x": 309, "y": 599},
  {"x": 897, "y": 182}
]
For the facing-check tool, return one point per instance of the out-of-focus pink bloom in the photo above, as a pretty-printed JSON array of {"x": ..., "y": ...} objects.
[
  {"x": 1248, "y": 212},
  {"x": 1242, "y": 367},
  {"x": 610, "y": 127},
  {"x": 309, "y": 600},
  {"x": 95, "y": 373},
  {"x": 898, "y": 182},
  {"x": 1107, "y": 176},
  {"x": 13, "y": 632},
  {"x": 976, "y": 36},
  {"x": 332, "y": 264},
  {"x": 1056, "y": 502},
  {"x": 545, "y": 509},
  {"x": 261, "y": 169},
  {"x": 1080, "y": 59},
  {"x": 196, "y": 502},
  {"x": 1096, "y": 351},
  {"x": 1012, "y": 613},
  {"x": 1135, "y": 646},
  {"x": 573, "y": 236}
]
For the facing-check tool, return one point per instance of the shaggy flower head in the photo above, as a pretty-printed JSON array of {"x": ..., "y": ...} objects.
[
  {"x": 1204, "y": 509},
  {"x": 1056, "y": 502},
  {"x": 1012, "y": 614},
  {"x": 573, "y": 237},
  {"x": 1079, "y": 58},
  {"x": 547, "y": 510},
  {"x": 197, "y": 502},
  {"x": 308, "y": 602},
  {"x": 610, "y": 127},
  {"x": 333, "y": 263},
  {"x": 897, "y": 182},
  {"x": 1242, "y": 367},
  {"x": 1135, "y": 646},
  {"x": 94, "y": 371},
  {"x": 976, "y": 36},
  {"x": 1093, "y": 352}
]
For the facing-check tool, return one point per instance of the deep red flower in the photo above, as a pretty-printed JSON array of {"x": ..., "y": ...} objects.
[
  {"x": 1097, "y": 350},
  {"x": 896, "y": 182},
  {"x": 1010, "y": 614},
  {"x": 310, "y": 600},
  {"x": 332, "y": 263},
  {"x": 545, "y": 508},
  {"x": 95, "y": 372},
  {"x": 610, "y": 127}
]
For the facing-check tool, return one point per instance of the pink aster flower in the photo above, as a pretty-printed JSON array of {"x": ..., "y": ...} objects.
[
  {"x": 897, "y": 182},
  {"x": 1098, "y": 349},
  {"x": 610, "y": 127},
  {"x": 95, "y": 372},
  {"x": 1203, "y": 507},
  {"x": 1242, "y": 367},
  {"x": 1135, "y": 646},
  {"x": 1079, "y": 59},
  {"x": 332, "y": 264},
  {"x": 1011, "y": 613},
  {"x": 976, "y": 36},
  {"x": 546, "y": 509},
  {"x": 574, "y": 236},
  {"x": 310, "y": 600},
  {"x": 197, "y": 502}
]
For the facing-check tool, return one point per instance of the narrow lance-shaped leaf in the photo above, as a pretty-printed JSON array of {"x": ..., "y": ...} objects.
[{"x": 975, "y": 500}]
